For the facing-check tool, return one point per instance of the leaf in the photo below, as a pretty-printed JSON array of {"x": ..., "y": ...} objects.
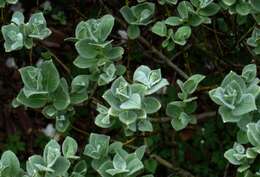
[
  {"x": 134, "y": 102},
  {"x": 192, "y": 83},
  {"x": 249, "y": 72},
  {"x": 18, "y": 18},
  {"x": 173, "y": 21},
  {"x": 255, "y": 4},
  {"x": 182, "y": 34},
  {"x": 133, "y": 31},
  {"x": 86, "y": 50},
  {"x": 227, "y": 116},
  {"x": 119, "y": 162},
  {"x": 105, "y": 27},
  {"x": 69, "y": 148},
  {"x": 181, "y": 122},
  {"x": 160, "y": 29},
  {"x": 11, "y": 164},
  {"x": 145, "y": 126},
  {"x": 51, "y": 153},
  {"x": 61, "y": 98},
  {"x": 51, "y": 77},
  {"x": 210, "y": 10},
  {"x": 183, "y": 9},
  {"x": 128, "y": 117},
  {"x": 151, "y": 105},
  {"x": 34, "y": 101},
  {"x": 246, "y": 105}
]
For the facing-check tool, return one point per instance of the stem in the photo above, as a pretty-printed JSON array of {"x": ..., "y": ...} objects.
[{"x": 30, "y": 56}]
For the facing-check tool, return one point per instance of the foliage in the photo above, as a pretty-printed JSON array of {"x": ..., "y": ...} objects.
[
  {"x": 112, "y": 159},
  {"x": 95, "y": 52},
  {"x": 55, "y": 162},
  {"x": 131, "y": 103},
  {"x": 19, "y": 34},
  {"x": 237, "y": 97},
  {"x": 181, "y": 111},
  {"x": 4, "y": 2},
  {"x": 139, "y": 15},
  {"x": 43, "y": 88},
  {"x": 155, "y": 128}
]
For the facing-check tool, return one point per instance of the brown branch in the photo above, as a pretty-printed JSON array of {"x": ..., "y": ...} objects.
[{"x": 200, "y": 117}]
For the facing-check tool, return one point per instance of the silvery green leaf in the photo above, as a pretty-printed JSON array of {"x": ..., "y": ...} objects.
[
  {"x": 183, "y": 9},
  {"x": 80, "y": 168},
  {"x": 119, "y": 162},
  {"x": 246, "y": 105},
  {"x": 12, "y": 1},
  {"x": 34, "y": 101},
  {"x": 32, "y": 163},
  {"x": 145, "y": 126},
  {"x": 128, "y": 117},
  {"x": 133, "y": 31},
  {"x": 192, "y": 83},
  {"x": 49, "y": 111},
  {"x": 227, "y": 115},
  {"x": 51, "y": 77},
  {"x": 61, "y": 96},
  {"x": 173, "y": 21},
  {"x": 61, "y": 166},
  {"x": 151, "y": 105},
  {"x": 11, "y": 162},
  {"x": 98, "y": 146},
  {"x": 182, "y": 34},
  {"x": 249, "y": 72},
  {"x": 134, "y": 102},
  {"x": 181, "y": 122},
  {"x": 13, "y": 37},
  {"x": 103, "y": 120},
  {"x": 69, "y": 148},
  {"x": 253, "y": 133},
  {"x": 38, "y": 26},
  {"x": 83, "y": 63},
  {"x": 133, "y": 164},
  {"x": 79, "y": 86},
  {"x": 105, "y": 27},
  {"x": 159, "y": 28},
  {"x": 174, "y": 109},
  {"x": 210, "y": 10},
  {"x": 51, "y": 153},
  {"x": 86, "y": 50},
  {"x": 18, "y": 18}
]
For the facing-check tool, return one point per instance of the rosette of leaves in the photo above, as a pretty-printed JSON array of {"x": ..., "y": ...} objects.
[
  {"x": 237, "y": 94},
  {"x": 177, "y": 29},
  {"x": 111, "y": 159},
  {"x": 130, "y": 104},
  {"x": 181, "y": 111},
  {"x": 241, "y": 7},
  {"x": 4, "y": 2},
  {"x": 138, "y": 15},
  {"x": 55, "y": 162},
  {"x": 19, "y": 34},
  {"x": 254, "y": 41},
  {"x": 238, "y": 155},
  {"x": 43, "y": 88},
  {"x": 96, "y": 53}
]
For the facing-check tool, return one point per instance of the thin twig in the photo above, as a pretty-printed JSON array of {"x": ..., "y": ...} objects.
[{"x": 200, "y": 117}]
